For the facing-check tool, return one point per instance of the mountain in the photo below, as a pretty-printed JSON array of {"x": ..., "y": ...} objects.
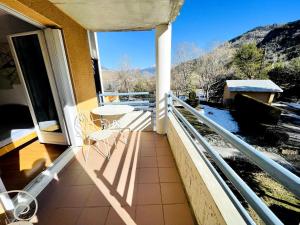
[
  {"x": 148, "y": 72},
  {"x": 255, "y": 35},
  {"x": 280, "y": 41}
]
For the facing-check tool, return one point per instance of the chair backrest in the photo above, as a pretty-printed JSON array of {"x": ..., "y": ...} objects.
[
  {"x": 85, "y": 125},
  {"x": 81, "y": 125}
]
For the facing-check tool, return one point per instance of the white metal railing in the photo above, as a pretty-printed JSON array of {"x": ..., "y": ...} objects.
[
  {"x": 278, "y": 172},
  {"x": 138, "y": 104}
]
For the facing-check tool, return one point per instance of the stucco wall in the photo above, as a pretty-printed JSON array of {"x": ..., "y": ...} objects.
[
  {"x": 210, "y": 203},
  {"x": 76, "y": 42}
]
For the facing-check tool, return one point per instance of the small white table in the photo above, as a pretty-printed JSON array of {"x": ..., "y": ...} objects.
[{"x": 112, "y": 110}]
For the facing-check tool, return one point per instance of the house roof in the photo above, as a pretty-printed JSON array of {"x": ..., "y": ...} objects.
[
  {"x": 120, "y": 15},
  {"x": 252, "y": 86}
]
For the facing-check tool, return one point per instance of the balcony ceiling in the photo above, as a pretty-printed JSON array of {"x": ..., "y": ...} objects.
[{"x": 120, "y": 15}]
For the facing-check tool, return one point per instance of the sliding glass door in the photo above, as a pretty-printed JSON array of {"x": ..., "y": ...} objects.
[{"x": 35, "y": 71}]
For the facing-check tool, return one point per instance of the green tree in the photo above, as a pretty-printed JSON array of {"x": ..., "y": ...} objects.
[
  {"x": 249, "y": 62},
  {"x": 295, "y": 65}
]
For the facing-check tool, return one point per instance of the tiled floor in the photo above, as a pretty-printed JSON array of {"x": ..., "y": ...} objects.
[{"x": 139, "y": 185}]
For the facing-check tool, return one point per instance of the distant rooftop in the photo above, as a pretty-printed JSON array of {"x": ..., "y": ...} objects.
[{"x": 252, "y": 86}]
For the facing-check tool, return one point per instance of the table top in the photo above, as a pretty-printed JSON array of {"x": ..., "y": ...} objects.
[{"x": 112, "y": 110}]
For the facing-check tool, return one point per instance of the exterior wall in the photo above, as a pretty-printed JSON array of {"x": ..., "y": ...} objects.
[
  {"x": 265, "y": 97},
  {"x": 210, "y": 203},
  {"x": 76, "y": 43}
]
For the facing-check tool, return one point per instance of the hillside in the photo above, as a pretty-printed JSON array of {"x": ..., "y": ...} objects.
[
  {"x": 255, "y": 35},
  {"x": 280, "y": 42}
]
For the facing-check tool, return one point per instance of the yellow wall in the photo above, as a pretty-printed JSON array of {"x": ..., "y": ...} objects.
[
  {"x": 265, "y": 97},
  {"x": 76, "y": 42}
]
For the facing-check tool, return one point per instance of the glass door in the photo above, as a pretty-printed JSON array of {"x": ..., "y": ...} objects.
[{"x": 32, "y": 60}]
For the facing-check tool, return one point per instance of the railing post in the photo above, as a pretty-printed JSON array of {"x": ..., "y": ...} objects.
[{"x": 169, "y": 101}]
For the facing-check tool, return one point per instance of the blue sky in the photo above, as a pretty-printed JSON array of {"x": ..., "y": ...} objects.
[{"x": 203, "y": 22}]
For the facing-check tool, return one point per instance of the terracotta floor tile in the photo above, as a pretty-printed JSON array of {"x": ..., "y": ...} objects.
[
  {"x": 147, "y": 136},
  {"x": 69, "y": 177},
  {"x": 146, "y": 144},
  {"x": 96, "y": 198},
  {"x": 148, "y": 194},
  {"x": 162, "y": 142},
  {"x": 165, "y": 161},
  {"x": 83, "y": 179},
  {"x": 64, "y": 216},
  {"x": 163, "y": 152},
  {"x": 74, "y": 196},
  {"x": 168, "y": 175},
  {"x": 73, "y": 165},
  {"x": 172, "y": 193},
  {"x": 148, "y": 175},
  {"x": 42, "y": 216},
  {"x": 146, "y": 151},
  {"x": 147, "y": 162},
  {"x": 178, "y": 214},
  {"x": 114, "y": 217},
  {"x": 93, "y": 216},
  {"x": 149, "y": 215},
  {"x": 74, "y": 199},
  {"x": 47, "y": 199}
]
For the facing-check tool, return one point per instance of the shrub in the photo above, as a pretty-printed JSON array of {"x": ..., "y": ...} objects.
[
  {"x": 251, "y": 110},
  {"x": 275, "y": 138},
  {"x": 192, "y": 95}
]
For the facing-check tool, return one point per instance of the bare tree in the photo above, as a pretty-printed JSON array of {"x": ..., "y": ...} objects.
[
  {"x": 212, "y": 65},
  {"x": 126, "y": 75},
  {"x": 183, "y": 79}
]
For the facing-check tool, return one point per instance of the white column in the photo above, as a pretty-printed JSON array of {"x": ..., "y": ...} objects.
[{"x": 163, "y": 74}]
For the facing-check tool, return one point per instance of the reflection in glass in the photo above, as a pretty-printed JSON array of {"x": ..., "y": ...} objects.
[{"x": 35, "y": 75}]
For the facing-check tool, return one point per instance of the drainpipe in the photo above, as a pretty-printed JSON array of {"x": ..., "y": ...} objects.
[{"x": 163, "y": 74}]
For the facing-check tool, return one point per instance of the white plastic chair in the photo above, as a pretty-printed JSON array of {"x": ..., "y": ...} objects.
[{"x": 114, "y": 126}]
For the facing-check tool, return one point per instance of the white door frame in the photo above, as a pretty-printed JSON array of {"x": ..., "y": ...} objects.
[
  {"x": 21, "y": 16},
  {"x": 44, "y": 137},
  {"x": 69, "y": 109},
  {"x": 60, "y": 68},
  {"x": 58, "y": 58}
]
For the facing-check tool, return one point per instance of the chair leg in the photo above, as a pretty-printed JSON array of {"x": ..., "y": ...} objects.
[
  {"x": 124, "y": 138},
  {"x": 88, "y": 151},
  {"x": 107, "y": 149}
]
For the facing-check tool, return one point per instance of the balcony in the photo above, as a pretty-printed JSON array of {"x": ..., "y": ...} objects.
[
  {"x": 171, "y": 179},
  {"x": 139, "y": 184}
]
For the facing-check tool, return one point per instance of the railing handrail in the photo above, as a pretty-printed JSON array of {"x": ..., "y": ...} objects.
[
  {"x": 256, "y": 203},
  {"x": 123, "y": 94},
  {"x": 278, "y": 172},
  {"x": 138, "y": 104}
]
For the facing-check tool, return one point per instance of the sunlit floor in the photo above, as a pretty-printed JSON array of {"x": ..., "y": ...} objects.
[
  {"x": 20, "y": 166},
  {"x": 139, "y": 184}
]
